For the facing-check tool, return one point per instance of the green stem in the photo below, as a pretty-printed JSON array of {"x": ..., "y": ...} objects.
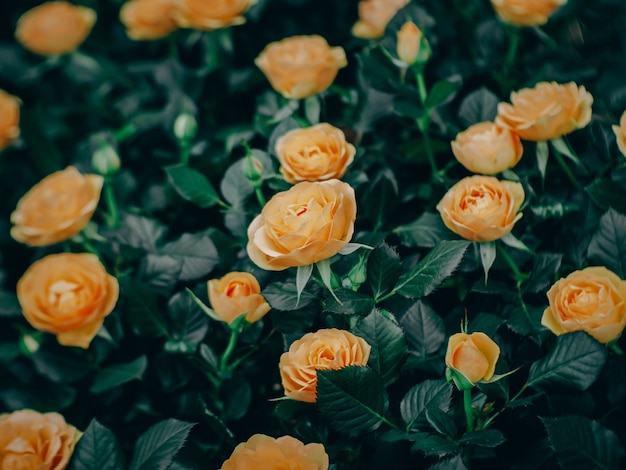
[
  {"x": 423, "y": 123},
  {"x": 109, "y": 196},
  {"x": 230, "y": 348},
  {"x": 517, "y": 274},
  {"x": 514, "y": 40},
  {"x": 125, "y": 132},
  {"x": 259, "y": 195},
  {"x": 566, "y": 169},
  {"x": 469, "y": 412},
  {"x": 616, "y": 349},
  {"x": 184, "y": 152}
]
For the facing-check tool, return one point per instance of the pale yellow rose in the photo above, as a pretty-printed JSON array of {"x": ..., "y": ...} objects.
[
  {"x": 526, "y": 12},
  {"x": 210, "y": 14},
  {"x": 68, "y": 295},
  {"x": 301, "y": 66},
  {"x": 325, "y": 349},
  {"x": 315, "y": 153},
  {"x": 487, "y": 148},
  {"x": 591, "y": 300},
  {"x": 54, "y": 28},
  {"x": 374, "y": 16},
  {"x": 36, "y": 441},
  {"x": 308, "y": 223},
  {"x": 148, "y": 19},
  {"x": 56, "y": 208},
  {"x": 9, "y": 119},
  {"x": 546, "y": 111},
  {"x": 262, "y": 452},
  {"x": 235, "y": 294},
  {"x": 481, "y": 208},
  {"x": 473, "y": 355},
  {"x": 620, "y": 134},
  {"x": 409, "y": 40}
]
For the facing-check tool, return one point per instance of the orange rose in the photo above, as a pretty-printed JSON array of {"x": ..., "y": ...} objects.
[
  {"x": 235, "y": 294},
  {"x": 54, "y": 28},
  {"x": 148, "y": 19},
  {"x": 210, "y": 14},
  {"x": 481, "y": 208},
  {"x": 325, "y": 349},
  {"x": 592, "y": 300},
  {"x": 547, "y": 111},
  {"x": 314, "y": 153},
  {"x": 9, "y": 118},
  {"x": 526, "y": 12},
  {"x": 36, "y": 441},
  {"x": 474, "y": 356},
  {"x": 68, "y": 295},
  {"x": 262, "y": 452},
  {"x": 620, "y": 134},
  {"x": 374, "y": 16},
  {"x": 487, "y": 148},
  {"x": 308, "y": 223},
  {"x": 56, "y": 208},
  {"x": 301, "y": 66}
]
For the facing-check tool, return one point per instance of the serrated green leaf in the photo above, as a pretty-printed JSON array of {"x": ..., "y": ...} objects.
[
  {"x": 97, "y": 449},
  {"x": 436, "y": 267},
  {"x": 607, "y": 193},
  {"x": 143, "y": 309},
  {"x": 455, "y": 463},
  {"x": 188, "y": 321},
  {"x": 575, "y": 361},
  {"x": 478, "y": 106},
  {"x": 118, "y": 374},
  {"x": 425, "y": 232},
  {"x": 351, "y": 302},
  {"x": 382, "y": 192},
  {"x": 197, "y": 253},
  {"x": 441, "y": 92},
  {"x": 284, "y": 296},
  {"x": 526, "y": 321},
  {"x": 441, "y": 422},
  {"x": 483, "y": 438},
  {"x": 140, "y": 232},
  {"x": 377, "y": 70},
  {"x": 542, "y": 276},
  {"x": 157, "y": 447},
  {"x": 606, "y": 247},
  {"x": 383, "y": 269},
  {"x": 435, "y": 445},
  {"x": 192, "y": 185},
  {"x": 427, "y": 394},
  {"x": 352, "y": 399},
  {"x": 234, "y": 185},
  {"x": 424, "y": 329},
  {"x": 161, "y": 271}
]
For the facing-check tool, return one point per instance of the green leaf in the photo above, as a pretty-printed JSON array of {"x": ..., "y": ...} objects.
[
  {"x": 583, "y": 444},
  {"x": 607, "y": 193},
  {"x": 143, "y": 309},
  {"x": 312, "y": 109},
  {"x": 483, "y": 438},
  {"x": 118, "y": 374},
  {"x": 542, "y": 152},
  {"x": 575, "y": 362},
  {"x": 511, "y": 240},
  {"x": 441, "y": 92},
  {"x": 487, "y": 256},
  {"x": 351, "y": 302},
  {"x": 303, "y": 274},
  {"x": 235, "y": 186},
  {"x": 424, "y": 329},
  {"x": 606, "y": 247},
  {"x": 61, "y": 365},
  {"x": 435, "y": 445},
  {"x": 426, "y": 394},
  {"x": 455, "y": 463},
  {"x": 425, "y": 232},
  {"x": 545, "y": 267},
  {"x": 381, "y": 194},
  {"x": 192, "y": 185},
  {"x": 389, "y": 346},
  {"x": 161, "y": 271},
  {"x": 140, "y": 232},
  {"x": 383, "y": 269},
  {"x": 441, "y": 422},
  {"x": 407, "y": 103},
  {"x": 197, "y": 252},
  {"x": 561, "y": 146},
  {"x": 377, "y": 70},
  {"x": 9, "y": 305},
  {"x": 352, "y": 399},
  {"x": 157, "y": 447},
  {"x": 97, "y": 449},
  {"x": 526, "y": 321},
  {"x": 435, "y": 268},
  {"x": 478, "y": 106},
  {"x": 189, "y": 324},
  {"x": 326, "y": 274},
  {"x": 284, "y": 296}
]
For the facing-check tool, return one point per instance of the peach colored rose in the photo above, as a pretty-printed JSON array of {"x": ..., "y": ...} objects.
[
  {"x": 374, "y": 16},
  {"x": 308, "y": 223},
  {"x": 36, "y": 441},
  {"x": 9, "y": 119},
  {"x": 54, "y": 28},
  {"x": 487, "y": 148},
  {"x": 473, "y": 355},
  {"x": 526, "y": 12},
  {"x": 301, "y": 66},
  {"x": 262, "y": 452},
  {"x": 210, "y": 14},
  {"x": 481, "y": 208},
  {"x": 547, "y": 111},
  {"x": 409, "y": 40},
  {"x": 315, "y": 153},
  {"x": 68, "y": 295},
  {"x": 620, "y": 134},
  {"x": 148, "y": 19},
  {"x": 325, "y": 349},
  {"x": 235, "y": 294},
  {"x": 56, "y": 208},
  {"x": 592, "y": 300}
]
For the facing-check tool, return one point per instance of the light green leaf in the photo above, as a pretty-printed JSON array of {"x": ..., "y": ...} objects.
[
  {"x": 487, "y": 256},
  {"x": 542, "y": 152},
  {"x": 97, "y": 449},
  {"x": 441, "y": 92},
  {"x": 118, "y": 374},
  {"x": 157, "y": 447},
  {"x": 192, "y": 185},
  {"x": 425, "y": 232},
  {"x": 196, "y": 251}
]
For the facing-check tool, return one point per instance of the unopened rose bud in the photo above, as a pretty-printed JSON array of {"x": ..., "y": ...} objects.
[
  {"x": 185, "y": 127},
  {"x": 29, "y": 344},
  {"x": 105, "y": 160},
  {"x": 412, "y": 47},
  {"x": 253, "y": 169}
]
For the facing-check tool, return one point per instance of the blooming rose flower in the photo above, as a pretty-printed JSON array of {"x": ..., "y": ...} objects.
[
  {"x": 262, "y": 452},
  {"x": 9, "y": 118},
  {"x": 481, "y": 208},
  {"x": 526, "y": 12},
  {"x": 54, "y": 28},
  {"x": 374, "y": 16},
  {"x": 487, "y": 148},
  {"x": 473, "y": 355},
  {"x": 68, "y": 295},
  {"x": 210, "y": 14},
  {"x": 35, "y": 441},
  {"x": 314, "y": 153},
  {"x": 547, "y": 111},
  {"x": 308, "y": 223},
  {"x": 235, "y": 294},
  {"x": 409, "y": 40},
  {"x": 56, "y": 208},
  {"x": 301, "y": 66},
  {"x": 148, "y": 19},
  {"x": 620, "y": 134},
  {"x": 592, "y": 300},
  {"x": 324, "y": 349}
]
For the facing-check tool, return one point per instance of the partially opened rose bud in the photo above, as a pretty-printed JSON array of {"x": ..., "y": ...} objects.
[
  {"x": 105, "y": 160},
  {"x": 471, "y": 358},
  {"x": 185, "y": 127},
  {"x": 253, "y": 169},
  {"x": 412, "y": 46}
]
